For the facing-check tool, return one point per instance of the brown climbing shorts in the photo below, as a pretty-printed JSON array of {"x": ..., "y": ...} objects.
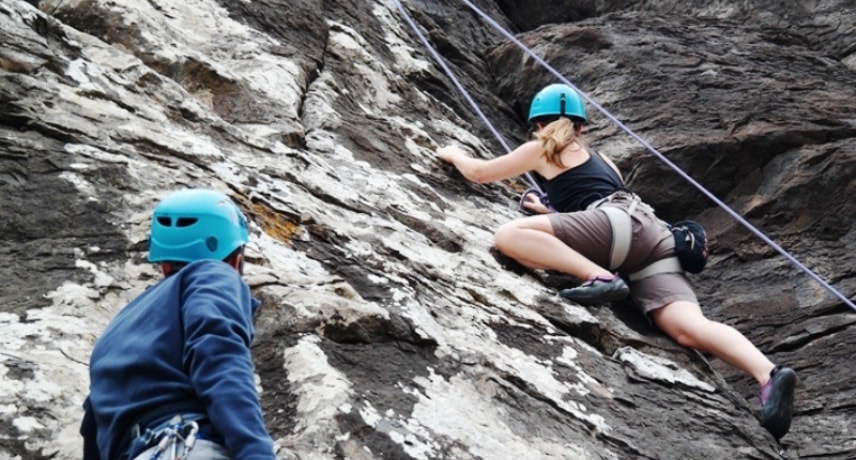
[{"x": 589, "y": 233}]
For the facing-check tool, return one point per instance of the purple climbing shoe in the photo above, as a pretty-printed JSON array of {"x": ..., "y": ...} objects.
[{"x": 777, "y": 401}]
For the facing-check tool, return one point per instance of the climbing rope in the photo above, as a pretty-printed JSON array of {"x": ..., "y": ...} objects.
[{"x": 612, "y": 118}]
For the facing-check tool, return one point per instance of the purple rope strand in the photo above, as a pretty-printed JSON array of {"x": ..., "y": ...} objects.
[{"x": 461, "y": 88}]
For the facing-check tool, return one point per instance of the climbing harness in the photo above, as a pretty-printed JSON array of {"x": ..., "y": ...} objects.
[
  {"x": 177, "y": 438},
  {"x": 618, "y": 123},
  {"x": 622, "y": 236},
  {"x": 171, "y": 440}
]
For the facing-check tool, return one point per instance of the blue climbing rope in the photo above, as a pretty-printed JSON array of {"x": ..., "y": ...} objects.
[{"x": 612, "y": 118}]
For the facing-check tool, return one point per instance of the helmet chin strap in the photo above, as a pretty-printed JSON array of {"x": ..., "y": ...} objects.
[{"x": 239, "y": 262}]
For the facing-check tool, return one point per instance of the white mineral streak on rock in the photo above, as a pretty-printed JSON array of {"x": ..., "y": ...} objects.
[
  {"x": 462, "y": 409},
  {"x": 51, "y": 347},
  {"x": 321, "y": 391},
  {"x": 349, "y": 46},
  {"x": 202, "y": 30},
  {"x": 396, "y": 35},
  {"x": 659, "y": 369}
]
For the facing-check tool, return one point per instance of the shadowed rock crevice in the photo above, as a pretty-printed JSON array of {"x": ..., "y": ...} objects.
[
  {"x": 48, "y": 223},
  {"x": 367, "y": 440},
  {"x": 437, "y": 236},
  {"x": 369, "y": 330},
  {"x": 362, "y": 275},
  {"x": 300, "y": 25},
  {"x": 229, "y": 99},
  {"x": 279, "y": 403}
]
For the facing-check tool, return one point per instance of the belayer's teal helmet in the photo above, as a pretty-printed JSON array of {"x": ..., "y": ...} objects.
[
  {"x": 196, "y": 224},
  {"x": 557, "y": 100}
]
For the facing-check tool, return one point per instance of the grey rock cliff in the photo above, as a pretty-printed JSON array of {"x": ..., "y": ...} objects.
[{"x": 389, "y": 328}]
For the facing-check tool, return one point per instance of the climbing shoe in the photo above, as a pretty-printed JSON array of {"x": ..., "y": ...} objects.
[
  {"x": 777, "y": 401},
  {"x": 598, "y": 289}
]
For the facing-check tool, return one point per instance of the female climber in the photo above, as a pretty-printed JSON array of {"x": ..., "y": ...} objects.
[{"x": 576, "y": 230}]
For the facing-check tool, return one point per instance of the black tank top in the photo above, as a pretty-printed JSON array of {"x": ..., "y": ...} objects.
[{"x": 582, "y": 185}]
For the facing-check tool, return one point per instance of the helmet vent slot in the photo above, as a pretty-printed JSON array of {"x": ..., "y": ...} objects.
[
  {"x": 185, "y": 221},
  {"x": 211, "y": 242}
]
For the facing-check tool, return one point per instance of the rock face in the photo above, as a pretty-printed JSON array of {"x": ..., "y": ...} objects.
[{"x": 389, "y": 329}]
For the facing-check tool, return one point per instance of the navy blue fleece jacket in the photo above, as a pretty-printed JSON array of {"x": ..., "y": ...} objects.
[{"x": 185, "y": 339}]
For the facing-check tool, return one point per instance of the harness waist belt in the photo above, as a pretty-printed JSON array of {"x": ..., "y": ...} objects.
[{"x": 669, "y": 265}]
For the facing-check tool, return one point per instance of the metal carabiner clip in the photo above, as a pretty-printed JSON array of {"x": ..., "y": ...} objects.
[{"x": 190, "y": 439}]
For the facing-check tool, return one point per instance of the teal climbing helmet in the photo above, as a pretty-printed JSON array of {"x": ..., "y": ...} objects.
[
  {"x": 556, "y": 100},
  {"x": 196, "y": 224}
]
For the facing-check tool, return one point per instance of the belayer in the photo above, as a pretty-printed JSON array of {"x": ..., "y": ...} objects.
[
  {"x": 594, "y": 229},
  {"x": 172, "y": 375}
]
